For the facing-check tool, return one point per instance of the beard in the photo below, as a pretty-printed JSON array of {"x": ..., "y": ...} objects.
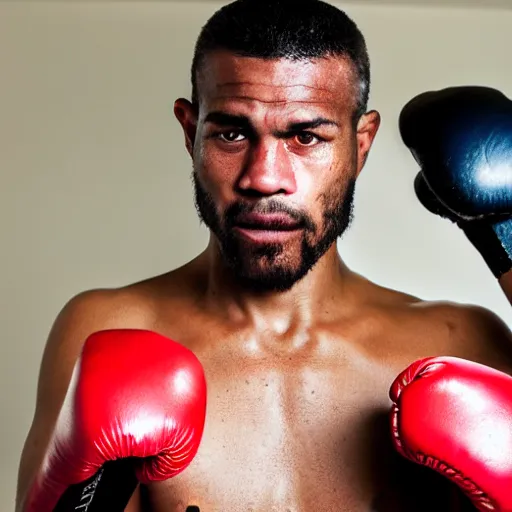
[{"x": 275, "y": 266}]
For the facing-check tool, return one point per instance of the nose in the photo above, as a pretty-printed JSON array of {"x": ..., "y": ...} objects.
[{"x": 268, "y": 171}]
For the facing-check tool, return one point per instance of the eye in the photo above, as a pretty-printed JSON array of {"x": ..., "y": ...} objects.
[
  {"x": 306, "y": 139},
  {"x": 231, "y": 136}
]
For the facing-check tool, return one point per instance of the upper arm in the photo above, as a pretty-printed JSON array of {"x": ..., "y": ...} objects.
[{"x": 75, "y": 322}]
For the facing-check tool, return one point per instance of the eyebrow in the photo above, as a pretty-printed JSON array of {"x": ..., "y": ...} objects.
[
  {"x": 223, "y": 119},
  {"x": 241, "y": 121}
]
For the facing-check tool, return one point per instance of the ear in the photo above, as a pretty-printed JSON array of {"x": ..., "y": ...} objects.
[
  {"x": 367, "y": 128},
  {"x": 186, "y": 114}
]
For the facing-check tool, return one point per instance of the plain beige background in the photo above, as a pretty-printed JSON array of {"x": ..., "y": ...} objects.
[{"x": 95, "y": 182}]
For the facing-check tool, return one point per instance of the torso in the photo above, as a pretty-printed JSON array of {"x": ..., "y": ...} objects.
[{"x": 298, "y": 422}]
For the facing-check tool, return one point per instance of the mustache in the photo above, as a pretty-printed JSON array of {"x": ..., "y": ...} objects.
[{"x": 234, "y": 213}]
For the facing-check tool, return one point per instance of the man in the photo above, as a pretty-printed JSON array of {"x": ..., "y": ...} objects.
[{"x": 299, "y": 351}]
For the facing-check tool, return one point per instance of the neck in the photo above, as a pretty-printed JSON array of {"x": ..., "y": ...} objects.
[{"x": 313, "y": 296}]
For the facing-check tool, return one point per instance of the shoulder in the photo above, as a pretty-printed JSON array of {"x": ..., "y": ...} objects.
[
  {"x": 469, "y": 331},
  {"x": 438, "y": 328},
  {"x": 90, "y": 311},
  {"x": 134, "y": 305},
  {"x": 144, "y": 304},
  {"x": 127, "y": 307},
  {"x": 104, "y": 308}
]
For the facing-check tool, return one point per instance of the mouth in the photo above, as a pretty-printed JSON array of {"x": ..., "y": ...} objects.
[{"x": 267, "y": 228}]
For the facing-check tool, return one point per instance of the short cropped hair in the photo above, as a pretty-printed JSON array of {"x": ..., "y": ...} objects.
[{"x": 292, "y": 29}]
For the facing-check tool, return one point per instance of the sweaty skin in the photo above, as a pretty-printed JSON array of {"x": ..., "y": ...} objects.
[{"x": 298, "y": 380}]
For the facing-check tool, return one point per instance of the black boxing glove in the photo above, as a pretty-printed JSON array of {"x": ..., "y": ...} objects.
[{"x": 462, "y": 139}]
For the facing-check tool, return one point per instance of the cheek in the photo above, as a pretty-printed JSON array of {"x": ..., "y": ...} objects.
[
  {"x": 216, "y": 170},
  {"x": 328, "y": 195},
  {"x": 323, "y": 174},
  {"x": 311, "y": 169}
]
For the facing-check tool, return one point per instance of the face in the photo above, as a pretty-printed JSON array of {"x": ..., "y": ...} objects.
[{"x": 275, "y": 154}]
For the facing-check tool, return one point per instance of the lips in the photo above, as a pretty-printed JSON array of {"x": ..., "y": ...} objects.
[
  {"x": 267, "y": 222},
  {"x": 268, "y": 228}
]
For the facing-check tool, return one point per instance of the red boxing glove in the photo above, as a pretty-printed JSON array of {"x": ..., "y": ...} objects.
[
  {"x": 133, "y": 393},
  {"x": 455, "y": 416}
]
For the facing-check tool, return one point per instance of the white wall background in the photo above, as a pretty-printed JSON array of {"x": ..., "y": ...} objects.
[{"x": 94, "y": 179}]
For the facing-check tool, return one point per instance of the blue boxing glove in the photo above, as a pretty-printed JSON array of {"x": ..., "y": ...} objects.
[{"x": 462, "y": 139}]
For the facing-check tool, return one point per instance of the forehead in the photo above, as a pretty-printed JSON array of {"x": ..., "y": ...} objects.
[{"x": 327, "y": 82}]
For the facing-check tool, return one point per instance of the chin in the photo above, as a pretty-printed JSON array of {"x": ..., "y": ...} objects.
[
  {"x": 278, "y": 278},
  {"x": 266, "y": 284}
]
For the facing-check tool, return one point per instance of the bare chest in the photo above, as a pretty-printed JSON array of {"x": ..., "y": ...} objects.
[{"x": 296, "y": 433}]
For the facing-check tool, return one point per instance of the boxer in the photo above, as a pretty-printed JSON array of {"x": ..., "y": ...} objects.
[{"x": 298, "y": 350}]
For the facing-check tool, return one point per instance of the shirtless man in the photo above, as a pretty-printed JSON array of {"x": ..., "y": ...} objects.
[{"x": 299, "y": 351}]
